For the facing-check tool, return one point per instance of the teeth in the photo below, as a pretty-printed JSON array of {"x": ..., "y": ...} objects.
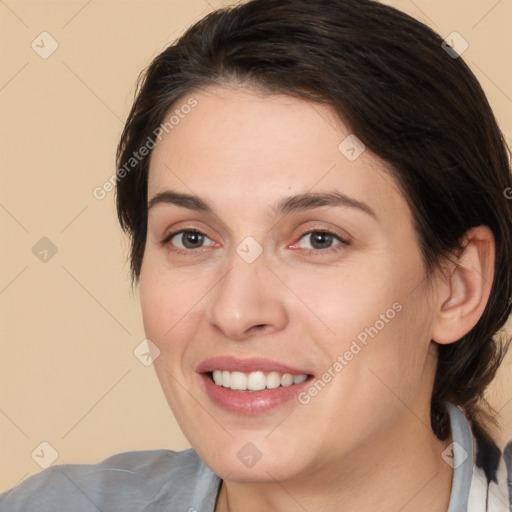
[
  {"x": 217, "y": 377},
  {"x": 273, "y": 380},
  {"x": 255, "y": 381},
  {"x": 287, "y": 379},
  {"x": 238, "y": 381},
  {"x": 298, "y": 379}
]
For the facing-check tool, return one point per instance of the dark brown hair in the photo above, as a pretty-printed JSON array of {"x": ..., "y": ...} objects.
[{"x": 412, "y": 103}]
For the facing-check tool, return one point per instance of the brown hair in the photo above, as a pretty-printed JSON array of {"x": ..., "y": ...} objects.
[{"x": 412, "y": 103}]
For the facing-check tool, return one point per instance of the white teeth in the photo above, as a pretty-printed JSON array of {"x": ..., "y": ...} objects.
[
  {"x": 255, "y": 381},
  {"x": 238, "y": 381},
  {"x": 273, "y": 380},
  {"x": 298, "y": 379},
  {"x": 287, "y": 379},
  {"x": 217, "y": 377}
]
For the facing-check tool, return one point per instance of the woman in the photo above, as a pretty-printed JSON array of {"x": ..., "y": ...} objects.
[{"x": 316, "y": 198}]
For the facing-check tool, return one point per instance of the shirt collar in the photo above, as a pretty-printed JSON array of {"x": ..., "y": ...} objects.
[{"x": 460, "y": 456}]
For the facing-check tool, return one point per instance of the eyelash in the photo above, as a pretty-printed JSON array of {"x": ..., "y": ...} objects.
[{"x": 310, "y": 252}]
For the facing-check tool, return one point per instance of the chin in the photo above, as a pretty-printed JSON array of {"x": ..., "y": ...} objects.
[{"x": 259, "y": 461}]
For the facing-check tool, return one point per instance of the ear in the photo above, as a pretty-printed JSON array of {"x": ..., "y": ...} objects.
[{"x": 464, "y": 294}]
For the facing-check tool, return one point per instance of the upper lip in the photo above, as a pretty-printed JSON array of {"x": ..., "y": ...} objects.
[{"x": 247, "y": 365}]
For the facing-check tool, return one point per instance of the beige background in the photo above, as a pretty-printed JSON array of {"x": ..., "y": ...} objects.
[{"x": 68, "y": 375}]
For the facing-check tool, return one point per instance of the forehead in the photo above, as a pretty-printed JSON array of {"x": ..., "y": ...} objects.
[{"x": 238, "y": 145}]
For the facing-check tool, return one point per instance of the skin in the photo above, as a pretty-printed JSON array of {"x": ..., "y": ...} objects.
[{"x": 359, "y": 441}]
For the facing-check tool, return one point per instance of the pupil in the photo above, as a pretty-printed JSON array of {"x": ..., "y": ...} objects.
[
  {"x": 194, "y": 238},
  {"x": 322, "y": 239}
]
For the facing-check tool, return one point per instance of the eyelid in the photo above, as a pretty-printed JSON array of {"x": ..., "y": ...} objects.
[{"x": 342, "y": 235}]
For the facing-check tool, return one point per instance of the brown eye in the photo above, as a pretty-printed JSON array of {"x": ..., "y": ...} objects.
[
  {"x": 185, "y": 240},
  {"x": 190, "y": 239},
  {"x": 321, "y": 240}
]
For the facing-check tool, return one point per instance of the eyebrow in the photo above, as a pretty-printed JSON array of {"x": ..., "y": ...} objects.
[{"x": 287, "y": 205}]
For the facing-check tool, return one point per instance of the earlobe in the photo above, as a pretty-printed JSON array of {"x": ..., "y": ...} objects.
[{"x": 464, "y": 295}]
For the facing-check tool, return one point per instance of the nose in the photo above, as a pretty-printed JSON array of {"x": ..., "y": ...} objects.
[{"x": 247, "y": 300}]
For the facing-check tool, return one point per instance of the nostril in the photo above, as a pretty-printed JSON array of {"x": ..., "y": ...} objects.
[{"x": 260, "y": 327}]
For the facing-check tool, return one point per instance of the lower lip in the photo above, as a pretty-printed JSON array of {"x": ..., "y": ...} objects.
[{"x": 250, "y": 403}]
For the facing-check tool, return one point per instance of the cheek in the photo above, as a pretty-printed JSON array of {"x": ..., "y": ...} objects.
[
  {"x": 167, "y": 303},
  {"x": 377, "y": 320},
  {"x": 353, "y": 302},
  {"x": 391, "y": 368}
]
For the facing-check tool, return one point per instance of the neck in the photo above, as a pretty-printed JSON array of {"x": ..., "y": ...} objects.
[{"x": 383, "y": 475}]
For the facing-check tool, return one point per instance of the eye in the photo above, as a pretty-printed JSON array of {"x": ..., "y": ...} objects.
[
  {"x": 321, "y": 241},
  {"x": 185, "y": 241}
]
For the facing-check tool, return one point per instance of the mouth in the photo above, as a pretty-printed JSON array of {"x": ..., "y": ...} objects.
[{"x": 251, "y": 386}]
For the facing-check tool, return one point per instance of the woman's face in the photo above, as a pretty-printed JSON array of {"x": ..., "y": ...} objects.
[{"x": 306, "y": 267}]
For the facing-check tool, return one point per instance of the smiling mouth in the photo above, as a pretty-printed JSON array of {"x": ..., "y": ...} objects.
[{"x": 255, "y": 381}]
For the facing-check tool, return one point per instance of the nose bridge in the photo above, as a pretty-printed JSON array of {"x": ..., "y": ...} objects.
[{"x": 246, "y": 296}]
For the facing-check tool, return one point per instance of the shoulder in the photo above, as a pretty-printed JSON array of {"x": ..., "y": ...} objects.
[
  {"x": 482, "y": 479},
  {"x": 137, "y": 480},
  {"x": 492, "y": 475}
]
